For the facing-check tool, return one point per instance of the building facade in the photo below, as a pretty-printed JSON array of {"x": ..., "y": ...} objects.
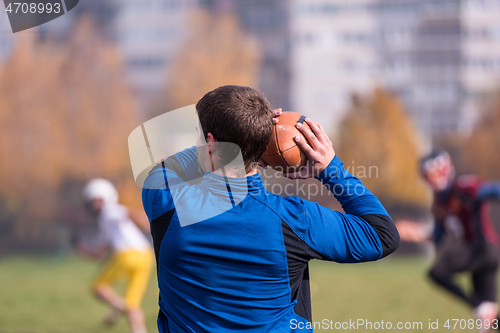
[{"x": 439, "y": 57}]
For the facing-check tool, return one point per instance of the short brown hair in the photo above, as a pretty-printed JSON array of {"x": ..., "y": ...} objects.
[{"x": 239, "y": 115}]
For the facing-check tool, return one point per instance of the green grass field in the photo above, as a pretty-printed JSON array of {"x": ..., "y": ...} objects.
[{"x": 51, "y": 295}]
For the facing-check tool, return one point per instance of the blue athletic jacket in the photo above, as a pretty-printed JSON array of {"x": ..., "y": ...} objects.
[{"x": 246, "y": 269}]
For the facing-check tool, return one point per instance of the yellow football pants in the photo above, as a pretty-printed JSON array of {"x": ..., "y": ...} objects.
[{"x": 133, "y": 266}]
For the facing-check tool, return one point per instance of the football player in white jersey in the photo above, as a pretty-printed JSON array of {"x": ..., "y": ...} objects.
[{"x": 132, "y": 254}]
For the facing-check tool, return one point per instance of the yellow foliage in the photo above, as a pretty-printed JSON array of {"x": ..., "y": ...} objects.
[
  {"x": 65, "y": 115},
  {"x": 481, "y": 147},
  {"x": 215, "y": 53},
  {"x": 379, "y": 145}
]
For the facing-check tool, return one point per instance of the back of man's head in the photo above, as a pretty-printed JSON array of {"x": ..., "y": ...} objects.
[{"x": 239, "y": 115}]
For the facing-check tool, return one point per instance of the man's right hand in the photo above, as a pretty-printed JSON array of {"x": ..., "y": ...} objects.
[{"x": 319, "y": 153}]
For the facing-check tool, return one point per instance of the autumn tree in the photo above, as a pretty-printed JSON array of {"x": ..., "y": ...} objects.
[
  {"x": 378, "y": 144},
  {"x": 65, "y": 114},
  {"x": 481, "y": 147},
  {"x": 216, "y": 52}
]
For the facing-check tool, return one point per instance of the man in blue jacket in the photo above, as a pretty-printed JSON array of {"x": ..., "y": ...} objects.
[{"x": 245, "y": 267}]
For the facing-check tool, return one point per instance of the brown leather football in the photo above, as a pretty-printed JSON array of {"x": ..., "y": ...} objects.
[{"x": 282, "y": 153}]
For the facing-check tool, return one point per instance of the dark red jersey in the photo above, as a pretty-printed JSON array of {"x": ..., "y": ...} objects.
[{"x": 463, "y": 211}]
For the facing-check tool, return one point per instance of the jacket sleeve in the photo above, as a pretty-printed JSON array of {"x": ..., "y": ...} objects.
[
  {"x": 488, "y": 191},
  {"x": 168, "y": 180},
  {"x": 365, "y": 232}
]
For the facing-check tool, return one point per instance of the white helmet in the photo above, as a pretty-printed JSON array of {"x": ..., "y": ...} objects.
[{"x": 99, "y": 188}]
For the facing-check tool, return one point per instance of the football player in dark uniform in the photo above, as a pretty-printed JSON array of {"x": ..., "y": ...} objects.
[{"x": 465, "y": 238}]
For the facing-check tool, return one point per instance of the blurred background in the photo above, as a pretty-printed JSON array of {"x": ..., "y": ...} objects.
[{"x": 388, "y": 80}]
